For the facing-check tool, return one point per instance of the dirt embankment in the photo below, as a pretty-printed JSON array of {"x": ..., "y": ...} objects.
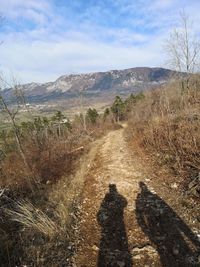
[{"x": 124, "y": 221}]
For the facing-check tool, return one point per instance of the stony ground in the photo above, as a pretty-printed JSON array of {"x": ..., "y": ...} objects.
[{"x": 124, "y": 221}]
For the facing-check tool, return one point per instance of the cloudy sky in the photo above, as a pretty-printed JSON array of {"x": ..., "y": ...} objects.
[{"x": 43, "y": 39}]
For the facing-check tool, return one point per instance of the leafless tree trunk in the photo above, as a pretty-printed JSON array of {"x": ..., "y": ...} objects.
[
  {"x": 183, "y": 48},
  {"x": 11, "y": 113}
]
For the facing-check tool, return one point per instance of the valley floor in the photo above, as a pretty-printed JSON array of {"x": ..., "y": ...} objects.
[{"x": 124, "y": 222}]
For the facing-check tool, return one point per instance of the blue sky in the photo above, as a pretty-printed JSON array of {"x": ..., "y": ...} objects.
[{"x": 43, "y": 39}]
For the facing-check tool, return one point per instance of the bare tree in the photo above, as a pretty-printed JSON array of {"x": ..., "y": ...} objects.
[
  {"x": 183, "y": 47},
  {"x": 11, "y": 110}
]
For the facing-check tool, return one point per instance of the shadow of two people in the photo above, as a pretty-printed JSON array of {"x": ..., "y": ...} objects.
[{"x": 176, "y": 244}]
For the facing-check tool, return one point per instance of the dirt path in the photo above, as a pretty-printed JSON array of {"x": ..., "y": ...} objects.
[{"x": 124, "y": 222}]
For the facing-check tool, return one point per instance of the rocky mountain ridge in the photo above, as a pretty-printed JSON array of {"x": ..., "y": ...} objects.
[{"x": 114, "y": 81}]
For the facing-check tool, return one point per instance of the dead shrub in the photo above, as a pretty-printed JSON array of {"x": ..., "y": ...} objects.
[{"x": 167, "y": 123}]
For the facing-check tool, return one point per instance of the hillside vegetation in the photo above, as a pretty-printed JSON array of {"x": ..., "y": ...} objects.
[
  {"x": 40, "y": 157},
  {"x": 39, "y": 184},
  {"x": 166, "y": 123}
]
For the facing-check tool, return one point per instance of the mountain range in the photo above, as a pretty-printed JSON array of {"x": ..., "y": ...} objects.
[{"x": 95, "y": 84}]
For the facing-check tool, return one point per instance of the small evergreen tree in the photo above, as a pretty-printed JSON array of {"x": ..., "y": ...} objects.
[
  {"x": 92, "y": 115},
  {"x": 106, "y": 113},
  {"x": 117, "y": 108},
  {"x": 132, "y": 100},
  {"x": 58, "y": 117}
]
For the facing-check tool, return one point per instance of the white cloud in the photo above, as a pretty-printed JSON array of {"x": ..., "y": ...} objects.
[
  {"x": 9, "y": 6},
  {"x": 58, "y": 46},
  {"x": 33, "y": 10},
  {"x": 42, "y": 61}
]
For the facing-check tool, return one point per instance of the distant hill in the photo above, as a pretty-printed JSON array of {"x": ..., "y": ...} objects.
[{"x": 95, "y": 84}]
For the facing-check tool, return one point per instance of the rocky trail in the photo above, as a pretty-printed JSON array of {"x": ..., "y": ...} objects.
[{"x": 124, "y": 222}]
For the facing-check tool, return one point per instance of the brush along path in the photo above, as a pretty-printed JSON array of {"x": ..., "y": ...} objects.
[{"x": 124, "y": 222}]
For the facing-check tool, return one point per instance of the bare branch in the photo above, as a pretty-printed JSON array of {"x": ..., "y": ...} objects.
[{"x": 183, "y": 48}]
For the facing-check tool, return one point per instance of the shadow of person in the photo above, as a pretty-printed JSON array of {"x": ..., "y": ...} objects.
[
  {"x": 176, "y": 244},
  {"x": 114, "y": 249}
]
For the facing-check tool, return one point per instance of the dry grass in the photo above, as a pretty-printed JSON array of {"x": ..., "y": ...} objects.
[
  {"x": 27, "y": 215},
  {"x": 167, "y": 123}
]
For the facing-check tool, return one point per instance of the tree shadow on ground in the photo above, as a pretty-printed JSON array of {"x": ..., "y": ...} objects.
[
  {"x": 114, "y": 249},
  {"x": 176, "y": 244}
]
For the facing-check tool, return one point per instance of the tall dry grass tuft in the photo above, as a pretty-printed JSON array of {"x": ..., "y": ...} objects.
[
  {"x": 167, "y": 123},
  {"x": 28, "y": 216}
]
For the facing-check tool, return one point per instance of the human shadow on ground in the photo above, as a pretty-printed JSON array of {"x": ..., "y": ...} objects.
[
  {"x": 113, "y": 249},
  {"x": 176, "y": 244}
]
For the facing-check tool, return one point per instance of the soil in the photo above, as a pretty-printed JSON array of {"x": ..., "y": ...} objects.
[{"x": 129, "y": 216}]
